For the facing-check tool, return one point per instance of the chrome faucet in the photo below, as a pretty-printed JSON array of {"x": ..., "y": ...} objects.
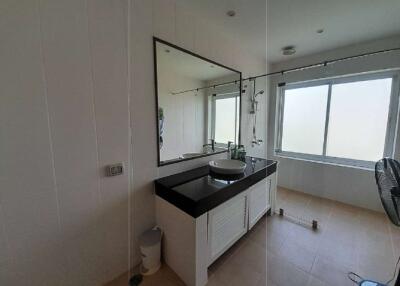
[
  {"x": 212, "y": 145},
  {"x": 229, "y": 150}
]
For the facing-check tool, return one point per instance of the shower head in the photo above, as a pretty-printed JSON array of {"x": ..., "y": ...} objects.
[{"x": 260, "y": 92}]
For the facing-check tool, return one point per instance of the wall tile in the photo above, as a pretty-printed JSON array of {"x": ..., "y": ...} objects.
[
  {"x": 70, "y": 91},
  {"x": 28, "y": 214},
  {"x": 185, "y": 28},
  {"x": 74, "y": 230},
  {"x": 164, "y": 19},
  {"x": 44, "y": 269},
  {"x": 107, "y": 26},
  {"x": 108, "y": 42},
  {"x": 115, "y": 229},
  {"x": 4, "y": 249},
  {"x": 143, "y": 122},
  {"x": 24, "y": 135},
  {"x": 30, "y": 218},
  {"x": 85, "y": 260},
  {"x": 79, "y": 204},
  {"x": 202, "y": 43}
]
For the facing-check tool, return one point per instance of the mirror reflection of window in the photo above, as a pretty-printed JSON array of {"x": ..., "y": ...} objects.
[{"x": 225, "y": 109}]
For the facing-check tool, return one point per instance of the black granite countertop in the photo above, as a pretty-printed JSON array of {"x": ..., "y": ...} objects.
[{"x": 199, "y": 190}]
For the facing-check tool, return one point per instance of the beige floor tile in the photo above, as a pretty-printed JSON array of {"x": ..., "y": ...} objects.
[
  {"x": 330, "y": 273},
  {"x": 375, "y": 244},
  {"x": 284, "y": 273},
  {"x": 376, "y": 267},
  {"x": 372, "y": 222},
  {"x": 259, "y": 236},
  {"x": 396, "y": 246},
  {"x": 340, "y": 253},
  {"x": 306, "y": 237},
  {"x": 123, "y": 280},
  {"x": 213, "y": 281},
  {"x": 263, "y": 280},
  {"x": 278, "y": 225},
  {"x": 313, "y": 281},
  {"x": 253, "y": 256},
  {"x": 164, "y": 276},
  {"x": 342, "y": 233},
  {"x": 280, "y": 252},
  {"x": 258, "y": 233},
  {"x": 394, "y": 230},
  {"x": 297, "y": 254},
  {"x": 236, "y": 273}
]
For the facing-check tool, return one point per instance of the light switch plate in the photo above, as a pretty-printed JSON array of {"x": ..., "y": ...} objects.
[{"x": 115, "y": 169}]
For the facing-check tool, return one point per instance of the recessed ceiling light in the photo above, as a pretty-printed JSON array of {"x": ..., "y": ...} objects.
[
  {"x": 231, "y": 13},
  {"x": 288, "y": 50},
  {"x": 320, "y": 31},
  {"x": 167, "y": 50}
]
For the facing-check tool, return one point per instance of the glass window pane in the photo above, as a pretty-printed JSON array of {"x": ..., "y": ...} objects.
[
  {"x": 304, "y": 119},
  {"x": 225, "y": 119},
  {"x": 358, "y": 119}
]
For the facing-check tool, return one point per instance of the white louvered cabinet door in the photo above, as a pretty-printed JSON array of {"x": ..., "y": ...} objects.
[
  {"x": 259, "y": 200},
  {"x": 226, "y": 224}
]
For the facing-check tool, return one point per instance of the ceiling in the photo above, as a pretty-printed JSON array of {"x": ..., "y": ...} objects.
[
  {"x": 188, "y": 65},
  {"x": 345, "y": 22},
  {"x": 248, "y": 26}
]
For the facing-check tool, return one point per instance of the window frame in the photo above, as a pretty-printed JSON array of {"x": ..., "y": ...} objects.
[{"x": 392, "y": 120}]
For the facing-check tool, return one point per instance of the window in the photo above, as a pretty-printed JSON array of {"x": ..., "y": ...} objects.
[
  {"x": 225, "y": 118},
  {"x": 348, "y": 121},
  {"x": 310, "y": 117}
]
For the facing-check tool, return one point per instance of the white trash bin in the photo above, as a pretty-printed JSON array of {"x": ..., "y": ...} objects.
[{"x": 150, "y": 248}]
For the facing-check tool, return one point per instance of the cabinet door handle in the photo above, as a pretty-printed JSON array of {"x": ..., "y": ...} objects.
[
  {"x": 269, "y": 190},
  {"x": 245, "y": 212},
  {"x": 208, "y": 226}
]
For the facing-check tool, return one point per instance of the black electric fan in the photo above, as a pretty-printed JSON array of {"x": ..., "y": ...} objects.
[{"x": 387, "y": 176}]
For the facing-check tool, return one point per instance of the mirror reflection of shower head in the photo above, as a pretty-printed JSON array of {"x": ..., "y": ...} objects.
[{"x": 260, "y": 92}]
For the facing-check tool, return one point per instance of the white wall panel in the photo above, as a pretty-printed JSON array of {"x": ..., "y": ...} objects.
[
  {"x": 164, "y": 19},
  {"x": 24, "y": 135},
  {"x": 185, "y": 28},
  {"x": 56, "y": 93},
  {"x": 143, "y": 122},
  {"x": 108, "y": 42},
  {"x": 202, "y": 43},
  {"x": 29, "y": 218},
  {"x": 70, "y": 89},
  {"x": 65, "y": 113}
]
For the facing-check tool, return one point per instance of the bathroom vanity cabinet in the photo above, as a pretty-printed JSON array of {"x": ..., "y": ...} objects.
[
  {"x": 202, "y": 214},
  {"x": 232, "y": 219},
  {"x": 260, "y": 197},
  {"x": 226, "y": 224}
]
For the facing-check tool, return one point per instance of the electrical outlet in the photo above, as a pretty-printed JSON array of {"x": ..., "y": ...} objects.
[{"x": 115, "y": 169}]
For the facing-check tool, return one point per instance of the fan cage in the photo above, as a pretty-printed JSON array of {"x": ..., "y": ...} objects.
[{"x": 387, "y": 175}]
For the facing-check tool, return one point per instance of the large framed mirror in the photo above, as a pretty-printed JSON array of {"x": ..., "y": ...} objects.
[{"x": 197, "y": 104}]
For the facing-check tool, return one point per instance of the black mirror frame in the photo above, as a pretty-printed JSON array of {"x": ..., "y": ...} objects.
[{"x": 173, "y": 161}]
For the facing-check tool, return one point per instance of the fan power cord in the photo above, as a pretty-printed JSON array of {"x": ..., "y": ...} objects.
[
  {"x": 357, "y": 279},
  {"x": 394, "y": 273}
]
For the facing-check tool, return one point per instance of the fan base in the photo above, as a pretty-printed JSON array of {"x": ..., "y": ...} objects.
[{"x": 370, "y": 283}]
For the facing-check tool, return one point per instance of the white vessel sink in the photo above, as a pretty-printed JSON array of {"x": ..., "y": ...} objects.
[
  {"x": 191, "y": 155},
  {"x": 227, "y": 167}
]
